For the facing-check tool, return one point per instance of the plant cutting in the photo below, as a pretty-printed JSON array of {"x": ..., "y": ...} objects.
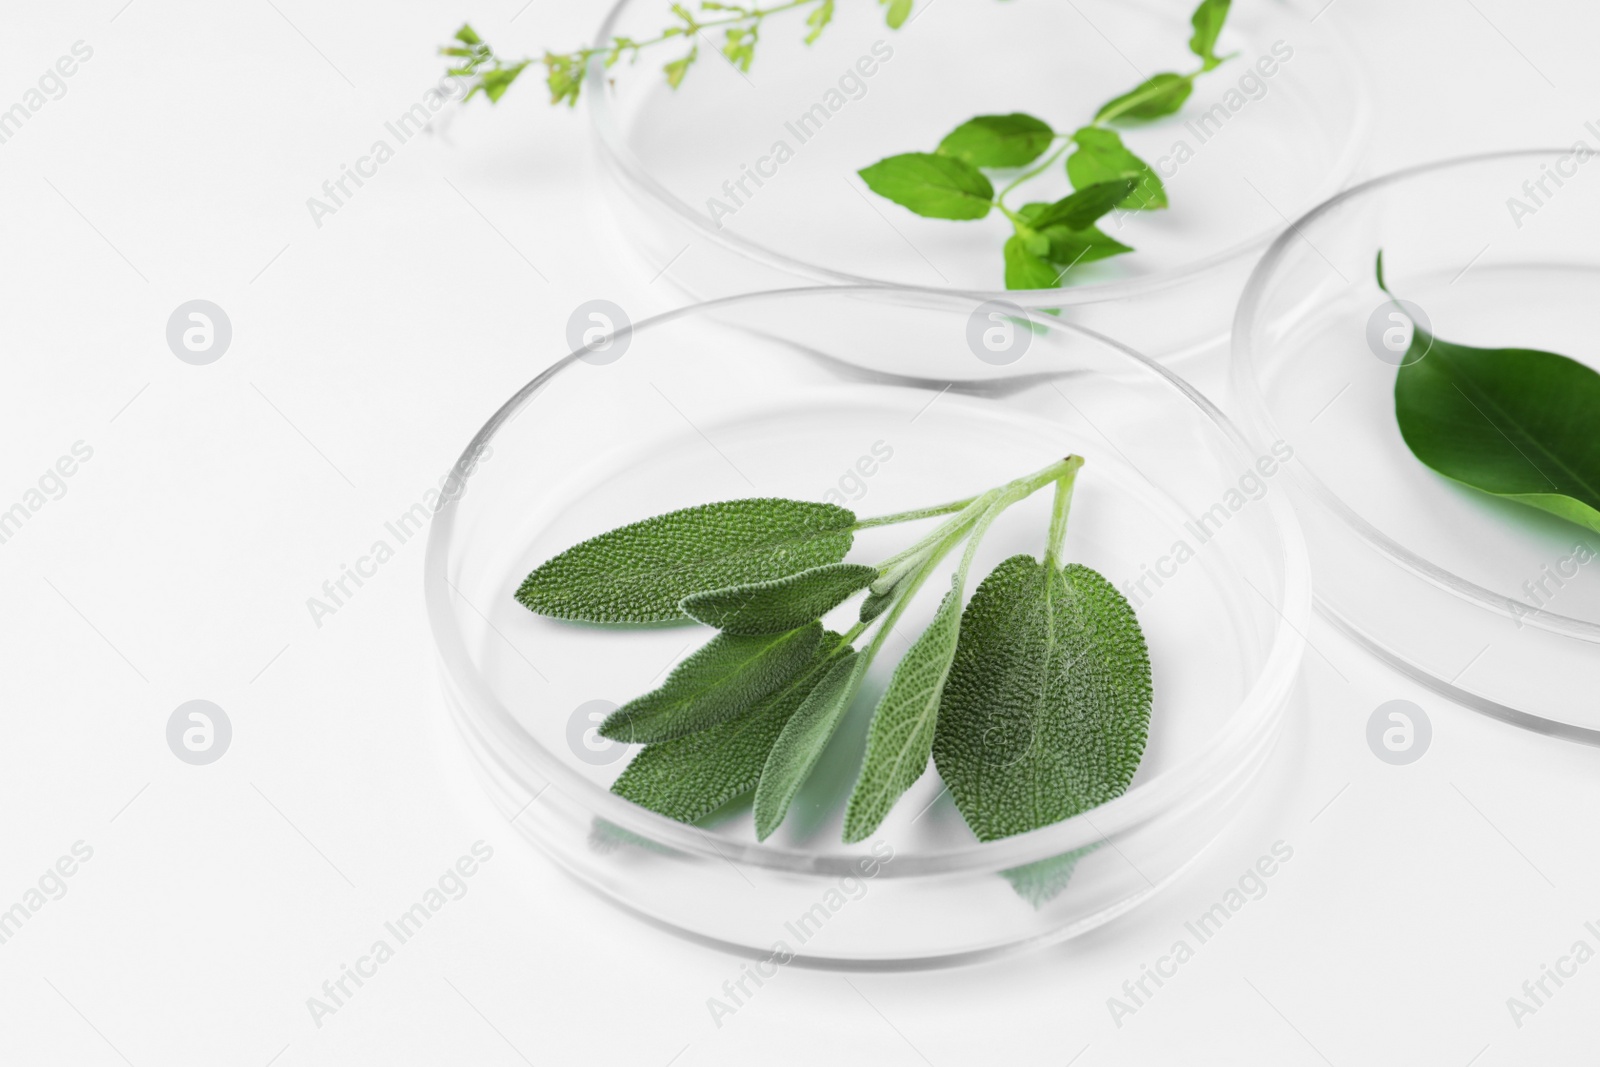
[
  {"x": 1050, "y": 238},
  {"x": 1515, "y": 422},
  {"x": 1032, "y": 698}
]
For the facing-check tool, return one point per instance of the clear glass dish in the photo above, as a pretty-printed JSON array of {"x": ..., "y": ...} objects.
[
  {"x": 1484, "y": 600},
  {"x": 763, "y": 395},
  {"x": 1276, "y": 147}
]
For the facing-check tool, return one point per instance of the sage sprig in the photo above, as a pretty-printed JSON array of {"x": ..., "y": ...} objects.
[
  {"x": 1033, "y": 699},
  {"x": 1049, "y": 239},
  {"x": 1515, "y": 422}
]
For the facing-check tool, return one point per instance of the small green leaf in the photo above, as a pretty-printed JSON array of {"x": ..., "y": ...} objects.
[
  {"x": 1047, "y": 705},
  {"x": 1160, "y": 95},
  {"x": 1102, "y": 157},
  {"x": 690, "y": 777},
  {"x": 1082, "y": 209},
  {"x": 466, "y": 35},
  {"x": 818, "y": 20},
  {"x": 875, "y": 604},
  {"x": 1515, "y": 422},
  {"x": 900, "y": 739},
  {"x": 677, "y": 68},
  {"x": 722, "y": 680},
  {"x": 1207, "y": 21},
  {"x": 998, "y": 140},
  {"x": 1043, "y": 880},
  {"x": 1068, "y": 248},
  {"x": 804, "y": 737},
  {"x": 641, "y": 572},
  {"x": 496, "y": 82},
  {"x": 1025, "y": 268},
  {"x": 780, "y": 604},
  {"x": 898, "y": 11},
  {"x": 934, "y": 186}
]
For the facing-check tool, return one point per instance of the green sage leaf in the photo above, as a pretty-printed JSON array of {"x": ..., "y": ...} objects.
[
  {"x": 804, "y": 737},
  {"x": 998, "y": 140},
  {"x": 1043, "y": 880},
  {"x": 781, "y": 604},
  {"x": 722, "y": 680},
  {"x": 1207, "y": 21},
  {"x": 1102, "y": 157},
  {"x": 1153, "y": 98},
  {"x": 934, "y": 186},
  {"x": 690, "y": 777},
  {"x": 1025, "y": 267},
  {"x": 1047, "y": 705},
  {"x": 639, "y": 573},
  {"x": 1515, "y": 422},
  {"x": 900, "y": 739}
]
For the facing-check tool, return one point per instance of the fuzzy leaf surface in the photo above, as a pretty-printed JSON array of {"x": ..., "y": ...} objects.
[
  {"x": 780, "y": 604},
  {"x": 804, "y": 737}
]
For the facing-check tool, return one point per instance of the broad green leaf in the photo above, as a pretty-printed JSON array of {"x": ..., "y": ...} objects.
[
  {"x": 640, "y": 572},
  {"x": 1102, "y": 157},
  {"x": 1047, "y": 706},
  {"x": 876, "y": 604},
  {"x": 690, "y": 777},
  {"x": 998, "y": 140},
  {"x": 937, "y": 187},
  {"x": 900, "y": 739},
  {"x": 1207, "y": 21},
  {"x": 1080, "y": 210},
  {"x": 1025, "y": 268},
  {"x": 818, "y": 20},
  {"x": 1516, "y": 422},
  {"x": 804, "y": 737},
  {"x": 781, "y": 604},
  {"x": 898, "y": 11},
  {"x": 1068, "y": 248},
  {"x": 724, "y": 679},
  {"x": 1160, "y": 95}
]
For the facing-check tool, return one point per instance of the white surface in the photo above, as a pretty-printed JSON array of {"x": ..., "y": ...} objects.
[{"x": 178, "y": 563}]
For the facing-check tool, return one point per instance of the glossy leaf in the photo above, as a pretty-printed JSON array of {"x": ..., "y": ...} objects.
[
  {"x": 998, "y": 140},
  {"x": 1207, "y": 21},
  {"x": 1026, "y": 267},
  {"x": 1102, "y": 157},
  {"x": 1153, "y": 98},
  {"x": 934, "y": 186},
  {"x": 1084, "y": 208}
]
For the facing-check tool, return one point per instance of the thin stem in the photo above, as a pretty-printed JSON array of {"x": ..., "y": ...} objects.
[
  {"x": 911, "y": 516},
  {"x": 1058, "y": 511},
  {"x": 689, "y": 29},
  {"x": 1026, "y": 175}
]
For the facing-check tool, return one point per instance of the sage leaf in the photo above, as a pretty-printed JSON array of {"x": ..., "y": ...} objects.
[
  {"x": 934, "y": 186},
  {"x": 692, "y": 776},
  {"x": 900, "y": 739},
  {"x": 781, "y": 604},
  {"x": 1047, "y": 705},
  {"x": 1043, "y": 880},
  {"x": 1026, "y": 267},
  {"x": 640, "y": 573},
  {"x": 1207, "y": 21},
  {"x": 998, "y": 140},
  {"x": 804, "y": 737},
  {"x": 876, "y": 604},
  {"x": 725, "y": 678},
  {"x": 1162, "y": 94},
  {"x": 1082, "y": 209},
  {"x": 1515, "y": 422},
  {"x": 1069, "y": 247},
  {"x": 1101, "y": 157}
]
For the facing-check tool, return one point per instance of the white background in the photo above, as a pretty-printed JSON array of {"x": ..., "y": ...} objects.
[{"x": 218, "y": 498}]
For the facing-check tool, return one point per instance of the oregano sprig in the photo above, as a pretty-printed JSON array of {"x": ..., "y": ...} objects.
[
  {"x": 739, "y": 24},
  {"x": 1033, "y": 698},
  {"x": 1049, "y": 239}
]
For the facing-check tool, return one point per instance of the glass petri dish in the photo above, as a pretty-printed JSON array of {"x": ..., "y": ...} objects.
[
  {"x": 763, "y": 395},
  {"x": 1484, "y": 600},
  {"x": 1249, "y": 151}
]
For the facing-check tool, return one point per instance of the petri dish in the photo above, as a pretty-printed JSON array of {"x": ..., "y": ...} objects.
[
  {"x": 1491, "y": 603},
  {"x": 1249, "y": 151},
  {"x": 764, "y": 395}
]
